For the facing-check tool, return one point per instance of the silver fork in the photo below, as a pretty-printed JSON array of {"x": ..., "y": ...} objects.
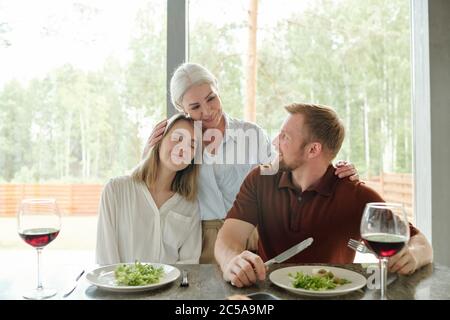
[
  {"x": 358, "y": 246},
  {"x": 184, "y": 281}
]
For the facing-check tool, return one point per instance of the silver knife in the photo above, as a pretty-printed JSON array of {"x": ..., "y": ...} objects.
[
  {"x": 289, "y": 253},
  {"x": 74, "y": 285}
]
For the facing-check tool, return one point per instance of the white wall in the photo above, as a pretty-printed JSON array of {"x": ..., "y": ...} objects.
[
  {"x": 439, "y": 39},
  {"x": 431, "y": 103}
]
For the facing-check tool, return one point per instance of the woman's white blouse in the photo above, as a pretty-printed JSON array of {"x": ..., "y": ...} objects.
[
  {"x": 131, "y": 227},
  {"x": 245, "y": 145}
]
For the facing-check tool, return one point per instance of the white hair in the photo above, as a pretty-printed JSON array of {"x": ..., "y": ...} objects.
[{"x": 186, "y": 76}]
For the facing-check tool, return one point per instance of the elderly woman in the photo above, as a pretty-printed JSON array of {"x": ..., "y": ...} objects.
[
  {"x": 194, "y": 91},
  {"x": 152, "y": 215}
]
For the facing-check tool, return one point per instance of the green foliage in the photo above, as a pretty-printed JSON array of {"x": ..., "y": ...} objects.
[
  {"x": 80, "y": 126},
  {"x": 217, "y": 49},
  {"x": 354, "y": 56},
  {"x": 24, "y": 175},
  {"x": 74, "y": 125}
]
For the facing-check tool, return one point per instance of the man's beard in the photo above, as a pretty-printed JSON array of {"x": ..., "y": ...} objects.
[
  {"x": 283, "y": 166},
  {"x": 300, "y": 161}
]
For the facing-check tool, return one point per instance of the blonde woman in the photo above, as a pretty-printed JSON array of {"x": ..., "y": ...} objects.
[
  {"x": 194, "y": 90},
  {"x": 152, "y": 215}
]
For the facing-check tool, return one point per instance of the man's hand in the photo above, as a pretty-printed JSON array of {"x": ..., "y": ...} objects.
[
  {"x": 346, "y": 169},
  {"x": 245, "y": 269},
  {"x": 403, "y": 262}
]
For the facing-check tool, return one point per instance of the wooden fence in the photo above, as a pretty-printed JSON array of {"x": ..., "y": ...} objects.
[
  {"x": 72, "y": 199},
  {"x": 83, "y": 199},
  {"x": 395, "y": 187}
]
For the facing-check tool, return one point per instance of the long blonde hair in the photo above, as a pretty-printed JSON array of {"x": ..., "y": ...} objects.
[{"x": 185, "y": 181}]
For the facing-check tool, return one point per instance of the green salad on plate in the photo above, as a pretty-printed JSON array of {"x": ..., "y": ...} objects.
[
  {"x": 138, "y": 274},
  {"x": 322, "y": 280}
]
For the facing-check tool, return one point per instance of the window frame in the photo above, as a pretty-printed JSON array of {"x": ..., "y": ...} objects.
[
  {"x": 421, "y": 113},
  {"x": 177, "y": 42}
]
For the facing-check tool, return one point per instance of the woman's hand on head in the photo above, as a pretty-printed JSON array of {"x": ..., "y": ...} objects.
[{"x": 155, "y": 136}]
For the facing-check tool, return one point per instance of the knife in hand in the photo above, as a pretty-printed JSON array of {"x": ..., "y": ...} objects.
[{"x": 289, "y": 253}]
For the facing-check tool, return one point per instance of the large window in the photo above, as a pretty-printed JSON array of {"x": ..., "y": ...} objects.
[
  {"x": 82, "y": 82},
  {"x": 349, "y": 54}
]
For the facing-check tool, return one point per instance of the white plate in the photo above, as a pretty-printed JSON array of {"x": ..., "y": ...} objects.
[
  {"x": 104, "y": 278},
  {"x": 281, "y": 278}
]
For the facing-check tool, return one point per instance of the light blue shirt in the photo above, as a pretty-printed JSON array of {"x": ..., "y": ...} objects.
[{"x": 245, "y": 145}]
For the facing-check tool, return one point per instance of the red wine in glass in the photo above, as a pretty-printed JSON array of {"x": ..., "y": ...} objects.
[
  {"x": 38, "y": 224},
  {"x": 39, "y": 237},
  {"x": 385, "y": 245},
  {"x": 385, "y": 230}
]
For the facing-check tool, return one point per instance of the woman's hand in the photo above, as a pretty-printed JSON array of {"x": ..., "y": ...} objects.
[
  {"x": 155, "y": 136},
  {"x": 346, "y": 169}
]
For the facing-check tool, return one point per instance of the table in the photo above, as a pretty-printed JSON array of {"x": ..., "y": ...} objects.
[{"x": 430, "y": 282}]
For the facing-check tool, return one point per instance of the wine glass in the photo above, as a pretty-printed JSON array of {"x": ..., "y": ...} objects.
[
  {"x": 385, "y": 230},
  {"x": 39, "y": 222}
]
